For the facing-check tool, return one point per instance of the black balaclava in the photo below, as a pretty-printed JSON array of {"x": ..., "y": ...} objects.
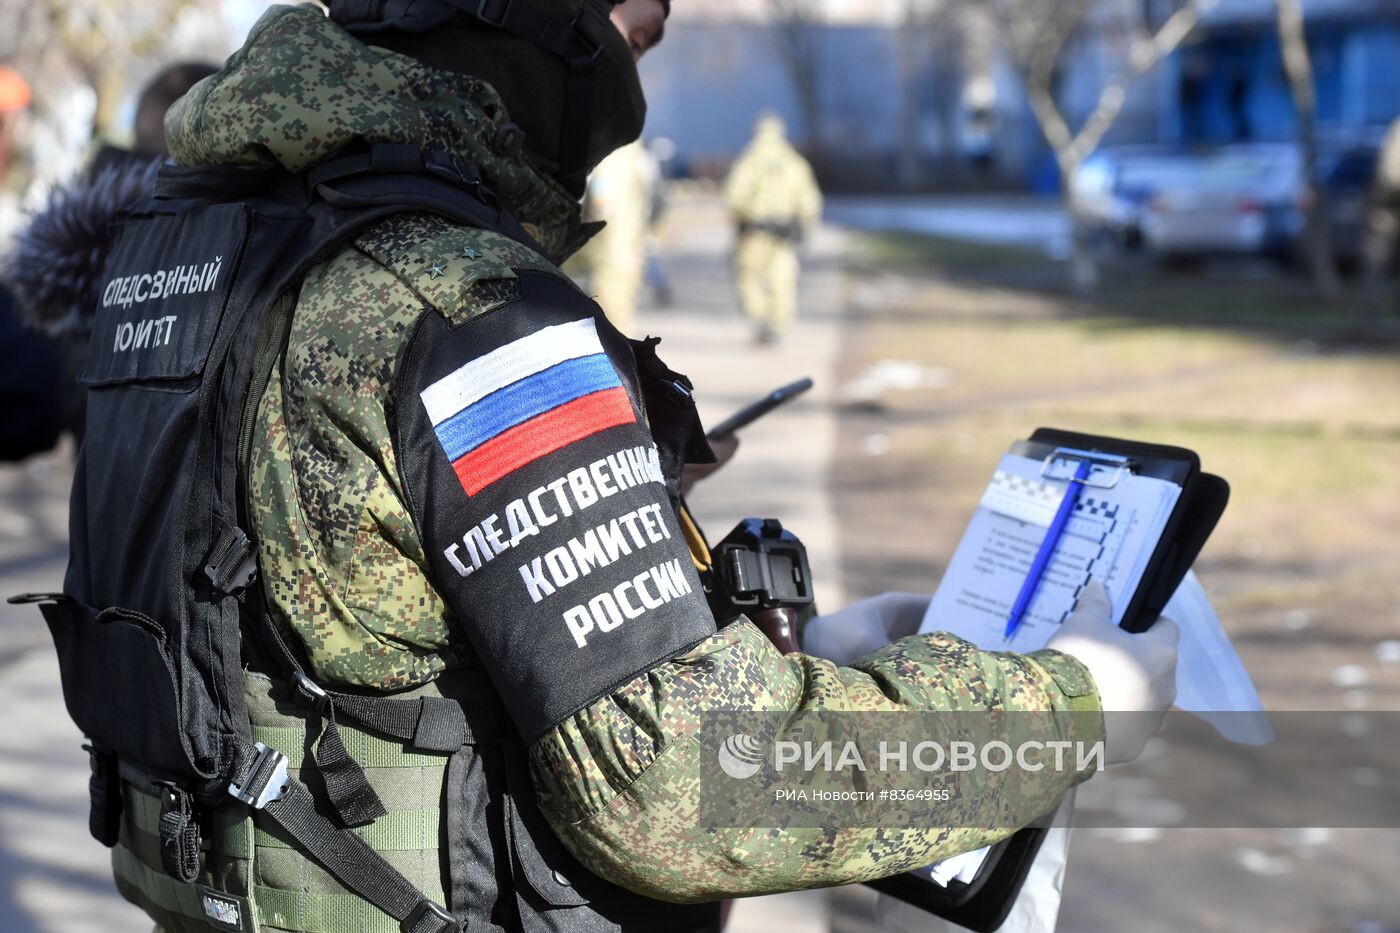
[{"x": 565, "y": 73}]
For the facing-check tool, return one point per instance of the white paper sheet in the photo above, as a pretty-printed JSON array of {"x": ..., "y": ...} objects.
[{"x": 1110, "y": 537}]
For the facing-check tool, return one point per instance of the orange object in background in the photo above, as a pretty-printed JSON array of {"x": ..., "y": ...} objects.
[{"x": 14, "y": 90}]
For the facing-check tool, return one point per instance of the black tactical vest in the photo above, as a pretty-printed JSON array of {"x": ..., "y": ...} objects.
[{"x": 210, "y": 779}]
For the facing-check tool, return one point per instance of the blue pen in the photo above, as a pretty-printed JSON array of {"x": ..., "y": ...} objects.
[{"x": 1047, "y": 548}]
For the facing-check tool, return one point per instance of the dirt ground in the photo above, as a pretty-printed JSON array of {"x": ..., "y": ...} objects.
[{"x": 955, "y": 351}]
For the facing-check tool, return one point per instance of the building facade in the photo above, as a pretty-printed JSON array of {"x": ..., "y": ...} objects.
[{"x": 885, "y": 100}]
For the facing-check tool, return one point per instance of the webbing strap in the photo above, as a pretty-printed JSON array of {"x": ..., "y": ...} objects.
[
  {"x": 349, "y": 791},
  {"x": 355, "y": 865},
  {"x": 430, "y": 724},
  {"x": 354, "y": 800},
  {"x": 557, "y": 36}
]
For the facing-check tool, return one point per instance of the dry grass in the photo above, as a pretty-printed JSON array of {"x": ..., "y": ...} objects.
[{"x": 1247, "y": 371}]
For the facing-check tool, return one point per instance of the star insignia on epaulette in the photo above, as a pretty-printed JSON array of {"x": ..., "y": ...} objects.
[
  {"x": 437, "y": 272},
  {"x": 469, "y": 252}
]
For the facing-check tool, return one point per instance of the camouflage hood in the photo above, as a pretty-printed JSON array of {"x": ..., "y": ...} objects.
[{"x": 302, "y": 89}]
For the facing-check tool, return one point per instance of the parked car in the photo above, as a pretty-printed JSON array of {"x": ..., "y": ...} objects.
[
  {"x": 1113, "y": 187},
  {"x": 1252, "y": 200}
]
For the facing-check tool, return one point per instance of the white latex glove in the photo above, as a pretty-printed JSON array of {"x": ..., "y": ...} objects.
[
  {"x": 1135, "y": 674},
  {"x": 860, "y": 628}
]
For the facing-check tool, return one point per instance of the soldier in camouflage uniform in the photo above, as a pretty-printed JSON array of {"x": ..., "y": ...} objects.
[
  {"x": 620, "y": 193},
  {"x": 1383, "y": 227},
  {"x": 774, "y": 198},
  {"x": 465, "y": 485}
]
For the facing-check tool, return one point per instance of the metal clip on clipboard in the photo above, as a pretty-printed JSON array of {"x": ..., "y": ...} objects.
[{"x": 1114, "y": 466}]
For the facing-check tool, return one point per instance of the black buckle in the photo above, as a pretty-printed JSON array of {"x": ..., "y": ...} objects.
[
  {"x": 267, "y": 780},
  {"x": 104, "y": 796},
  {"x": 233, "y": 565},
  {"x": 310, "y": 694},
  {"x": 426, "y": 909},
  {"x": 446, "y": 165},
  {"x": 590, "y": 27},
  {"x": 498, "y": 22}
]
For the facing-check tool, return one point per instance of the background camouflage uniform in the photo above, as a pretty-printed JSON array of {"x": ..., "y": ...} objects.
[
  {"x": 344, "y": 568},
  {"x": 771, "y": 184},
  {"x": 620, "y": 193}
]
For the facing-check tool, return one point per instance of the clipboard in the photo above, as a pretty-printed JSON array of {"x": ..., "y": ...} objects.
[{"x": 983, "y": 904}]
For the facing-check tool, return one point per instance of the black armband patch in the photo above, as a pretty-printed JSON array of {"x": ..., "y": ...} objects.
[{"x": 542, "y": 501}]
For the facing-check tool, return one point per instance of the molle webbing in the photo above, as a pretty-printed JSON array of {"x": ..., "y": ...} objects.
[{"x": 251, "y": 856}]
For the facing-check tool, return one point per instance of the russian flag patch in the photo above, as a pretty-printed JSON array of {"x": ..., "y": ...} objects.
[{"x": 524, "y": 401}]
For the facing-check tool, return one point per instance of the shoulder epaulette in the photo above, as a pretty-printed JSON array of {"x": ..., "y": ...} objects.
[{"x": 462, "y": 272}]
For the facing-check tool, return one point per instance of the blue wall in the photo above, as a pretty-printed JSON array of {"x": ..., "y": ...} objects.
[
  {"x": 709, "y": 81},
  {"x": 1232, "y": 87}
]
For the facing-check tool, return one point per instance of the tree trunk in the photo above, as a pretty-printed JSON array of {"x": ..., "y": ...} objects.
[
  {"x": 1083, "y": 263},
  {"x": 1293, "y": 39},
  {"x": 910, "y": 169}
]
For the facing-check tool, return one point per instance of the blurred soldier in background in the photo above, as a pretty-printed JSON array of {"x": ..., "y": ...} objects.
[
  {"x": 1384, "y": 226},
  {"x": 661, "y": 152},
  {"x": 621, "y": 192},
  {"x": 774, "y": 198},
  {"x": 423, "y": 413}
]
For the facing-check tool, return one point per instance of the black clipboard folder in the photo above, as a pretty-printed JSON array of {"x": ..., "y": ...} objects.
[{"x": 983, "y": 904}]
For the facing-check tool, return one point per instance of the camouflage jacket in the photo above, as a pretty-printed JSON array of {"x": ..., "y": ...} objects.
[
  {"x": 771, "y": 182},
  {"x": 360, "y": 572}
]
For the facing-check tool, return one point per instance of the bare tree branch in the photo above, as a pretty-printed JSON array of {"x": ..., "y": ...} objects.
[
  {"x": 1041, "y": 34},
  {"x": 1047, "y": 27}
]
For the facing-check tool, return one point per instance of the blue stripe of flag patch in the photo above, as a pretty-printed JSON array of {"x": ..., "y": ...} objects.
[{"x": 528, "y": 398}]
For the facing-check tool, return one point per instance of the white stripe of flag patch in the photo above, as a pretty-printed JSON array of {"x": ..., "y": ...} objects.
[{"x": 546, "y": 347}]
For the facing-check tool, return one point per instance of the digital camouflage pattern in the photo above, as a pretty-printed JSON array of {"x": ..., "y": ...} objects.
[
  {"x": 301, "y": 89},
  {"x": 345, "y": 570},
  {"x": 620, "y": 780},
  {"x": 343, "y": 567}
]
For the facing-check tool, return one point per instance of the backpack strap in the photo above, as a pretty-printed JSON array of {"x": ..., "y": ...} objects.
[{"x": 351, "y": 196}]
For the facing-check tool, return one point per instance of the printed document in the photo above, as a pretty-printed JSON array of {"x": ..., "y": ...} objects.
[{"x": 1110, "y": 537}]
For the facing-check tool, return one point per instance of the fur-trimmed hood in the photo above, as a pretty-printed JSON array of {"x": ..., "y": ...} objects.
[{"x": 56, "y": 262}]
